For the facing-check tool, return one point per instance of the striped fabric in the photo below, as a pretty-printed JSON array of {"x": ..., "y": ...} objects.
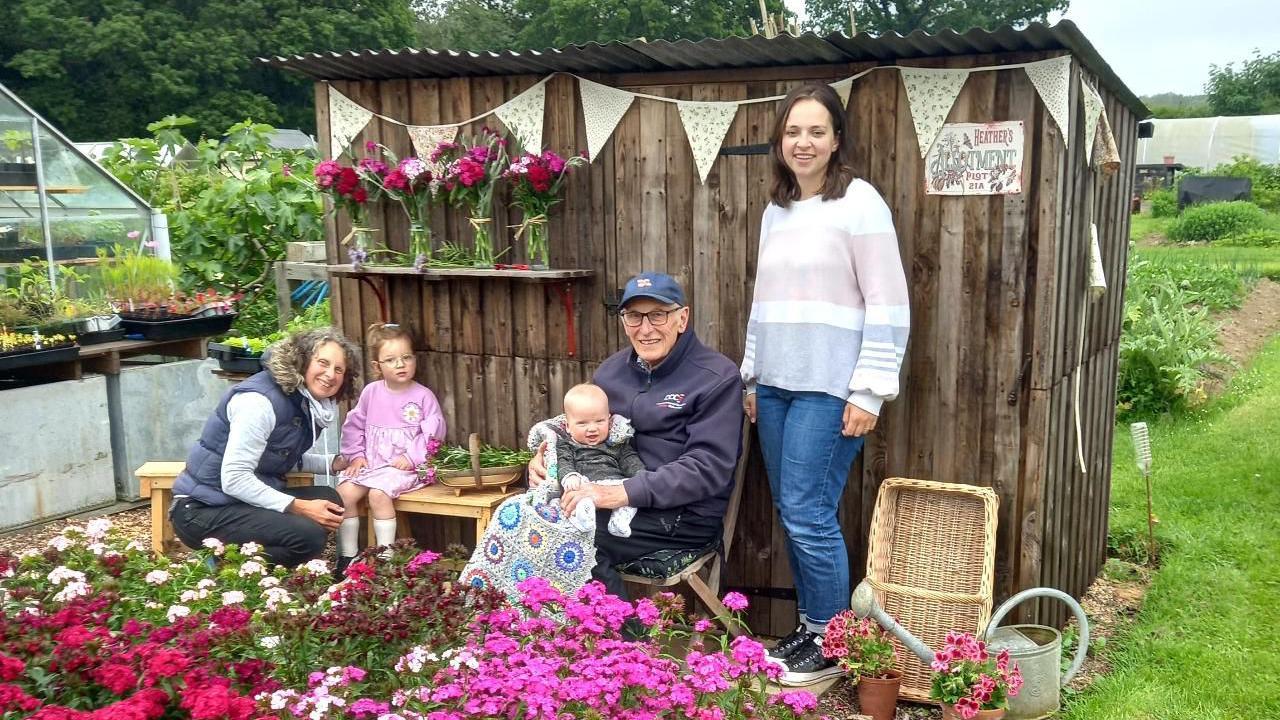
[{"x": 830, "y": 312}]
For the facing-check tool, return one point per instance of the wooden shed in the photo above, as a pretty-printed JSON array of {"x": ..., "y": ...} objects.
[{"x": 997, "y": 281}]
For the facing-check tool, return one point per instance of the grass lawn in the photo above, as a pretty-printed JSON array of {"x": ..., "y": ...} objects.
[
  {"x": 1260, "y": 261},
  {"x": 1204, "y": 645},
  {"x": 1143, "y": 226}
]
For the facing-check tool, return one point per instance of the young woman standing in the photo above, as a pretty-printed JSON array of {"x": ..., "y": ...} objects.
[{"x": 825, "y": 341}]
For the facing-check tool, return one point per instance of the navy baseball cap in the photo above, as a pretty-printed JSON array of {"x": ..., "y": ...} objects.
[{"x": 659, "y": 286}]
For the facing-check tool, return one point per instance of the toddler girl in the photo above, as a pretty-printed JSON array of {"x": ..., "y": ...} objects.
[{"x": 385, "y": 437}]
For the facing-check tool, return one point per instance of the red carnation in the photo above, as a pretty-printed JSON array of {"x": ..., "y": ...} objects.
[
  {"x": 360, "y": 196},
  {"x": 117, "y": 678},
  {"x": 539, "y": 177},
  {"x": 167, "y": 663},
  {"x": 396, "y": 180},
  {"x": 13, "y": 697},
  {"x": 11, "y": 668}
]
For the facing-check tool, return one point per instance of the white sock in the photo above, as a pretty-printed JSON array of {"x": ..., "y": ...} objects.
[
  {"x": 384, "y": 531},
  {"x": 620, "y": 521},
  {"x": 584, "y": 515},
  {"x": 349, "y": 537}
]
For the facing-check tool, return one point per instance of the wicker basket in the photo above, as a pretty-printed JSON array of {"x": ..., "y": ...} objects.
[{"x": 931, "y": 562}]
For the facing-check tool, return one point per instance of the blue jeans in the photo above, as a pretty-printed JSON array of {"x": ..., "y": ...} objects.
[{"x": 808, "y": 462}]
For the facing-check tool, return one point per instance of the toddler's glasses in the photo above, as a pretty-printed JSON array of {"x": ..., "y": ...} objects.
[
  {"x": 657, "y": 318},
  {"x": 396, "y": 361}
]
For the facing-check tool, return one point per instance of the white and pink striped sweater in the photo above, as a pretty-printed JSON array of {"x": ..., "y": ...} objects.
[{"x": 830, "y": 312}]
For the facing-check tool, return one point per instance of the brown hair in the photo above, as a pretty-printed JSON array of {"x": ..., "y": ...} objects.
[
  {"x": 290, "y": 357},
  {"x": 785, "y": 189},
  {"x": 380, "y": 334}
]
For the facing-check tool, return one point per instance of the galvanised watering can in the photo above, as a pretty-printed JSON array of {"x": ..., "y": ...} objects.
[{"x": 1036, "y": 648}]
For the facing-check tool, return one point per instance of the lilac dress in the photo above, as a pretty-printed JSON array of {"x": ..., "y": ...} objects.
[{"x": 384, "y": 425}]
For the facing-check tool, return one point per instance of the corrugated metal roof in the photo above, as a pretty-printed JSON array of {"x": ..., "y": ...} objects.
[{"x": 710, "y": 54}]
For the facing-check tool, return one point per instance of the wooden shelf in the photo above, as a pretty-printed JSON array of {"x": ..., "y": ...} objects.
[
  {"x": 438, "y": 275},
  {"x": 105, "y": 358},
  {"x": 50, "y": 189}
]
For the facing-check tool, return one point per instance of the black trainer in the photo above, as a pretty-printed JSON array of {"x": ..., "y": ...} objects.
[
  {"x": 806, "y": 665},
  {"x": 340, "y": 568},
  {"x": 787, "y": 645}
]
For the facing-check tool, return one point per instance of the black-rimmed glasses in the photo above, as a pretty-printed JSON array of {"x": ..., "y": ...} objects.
[{"x": 657, "y": 318}]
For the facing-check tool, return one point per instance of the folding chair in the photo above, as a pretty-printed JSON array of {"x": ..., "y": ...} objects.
[{"x": 711, "y": 559}]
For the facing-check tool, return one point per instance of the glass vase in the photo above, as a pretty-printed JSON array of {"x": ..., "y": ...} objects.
[
  {"x": 537, "y": 243},
  {"x": 359, "y": 242},
  {"x": 420, "y": 245},
  {"x": 482, "y": 253}
]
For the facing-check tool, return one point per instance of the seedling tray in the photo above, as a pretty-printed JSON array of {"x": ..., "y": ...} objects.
[
  {"x": 15, "y": 360},
  {"x": 177, "y": 328}
]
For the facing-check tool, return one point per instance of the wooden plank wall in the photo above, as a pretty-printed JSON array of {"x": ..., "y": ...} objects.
[{"x": 989, "y": 279}]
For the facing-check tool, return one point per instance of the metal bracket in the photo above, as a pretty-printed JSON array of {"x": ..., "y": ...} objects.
[
  {"x": 381, "y": 295},
  {"x": 1017, "y": 384}
]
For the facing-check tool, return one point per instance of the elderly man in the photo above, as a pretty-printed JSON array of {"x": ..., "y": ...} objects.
[{"x": 685, "y": 402}]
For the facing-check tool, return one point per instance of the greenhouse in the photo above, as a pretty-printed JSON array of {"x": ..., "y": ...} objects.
[{"x": 1210, "y": 142}]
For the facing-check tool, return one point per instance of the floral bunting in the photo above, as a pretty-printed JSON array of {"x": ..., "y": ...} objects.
[
  {"x": 523, "y": 115},
  {"x": 346, "y": 120},
  {"x": 931, "y": 93},
  {"x": 1092, "y": 104},
  {"x": 1051, "y": 79},
  {"x": 426, "y": 137},
  {"x": 705, "y": 124},
  {"x": 602, "y": 109}
]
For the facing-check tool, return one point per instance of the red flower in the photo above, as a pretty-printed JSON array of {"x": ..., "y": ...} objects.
[
  {"x": 11, "y": 668},
  {"x": 539, "y": 178},
  {"x": 216, "y": 701},
  {"x": 117, "y": 678},
  {"x": 360, "y": 571},
  {"x": 167, "y": 663},
  {"x": 347, "y": 181},
  {"x": 13, "y": 697},
  {"x": 230, "y": 617},
  {"x": 396, "y": 180},
  {"x": 74, "y": 637},
  {"x": 360, "y": 196}
]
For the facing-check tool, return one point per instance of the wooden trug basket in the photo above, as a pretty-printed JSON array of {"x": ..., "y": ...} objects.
[
  {"x": 479, "y": 478},
  {"x": 931, "y": 561}
]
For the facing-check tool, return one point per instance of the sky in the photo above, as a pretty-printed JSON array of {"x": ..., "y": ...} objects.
[{"x": 1160, "y": 46}]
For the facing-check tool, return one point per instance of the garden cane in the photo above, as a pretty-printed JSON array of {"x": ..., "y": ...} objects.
[{"x": 1142, "y": 452}]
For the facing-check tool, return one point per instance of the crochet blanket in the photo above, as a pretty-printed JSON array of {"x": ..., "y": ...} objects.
[{"x": 531, "y": 537}]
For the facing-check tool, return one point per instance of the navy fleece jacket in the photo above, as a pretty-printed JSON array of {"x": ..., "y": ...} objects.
[{"x": 687, "y": 414}]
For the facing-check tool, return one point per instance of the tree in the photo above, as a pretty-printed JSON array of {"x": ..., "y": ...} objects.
[
  {"x": 1172, "y": 105},
  {"x": 101, "y": 69},
  {"x": 473, "y": 25},
  {"x": 903, "y": 16},
  {"x": 1254, "y": 89}
]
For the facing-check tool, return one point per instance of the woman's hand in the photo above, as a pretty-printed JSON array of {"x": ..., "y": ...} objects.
[
  {"x": 857, "y": 422},
  {"x": 749, "y": 407},
  {"x": 339, "y": 463},
  {"x": 538, "y": 466},
  {"x": 354, "y": 467},
  {"x": 322, "y": 512}
]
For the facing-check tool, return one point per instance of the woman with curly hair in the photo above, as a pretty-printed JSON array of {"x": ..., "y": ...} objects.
[{"x": 233, "y": 486}]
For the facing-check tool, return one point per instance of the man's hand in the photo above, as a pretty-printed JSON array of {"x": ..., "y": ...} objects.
[
  {"x": 857, "y": 422},
  {"x": 402, "y": 462},
  {"x": 322, "y": 512},
  {"x": 354, "y": 468},
  {"x": 606, "y": 497},
  {"x": 538, "y": 466}
]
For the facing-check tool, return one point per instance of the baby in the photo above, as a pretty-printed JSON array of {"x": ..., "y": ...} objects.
[{"x": 584, "y": 454}]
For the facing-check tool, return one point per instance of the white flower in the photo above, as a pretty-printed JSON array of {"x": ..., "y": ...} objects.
[
  {"x": 231, "y": 597},
  {"x": 189, "y": 596},
  {"x": 280, "y": 698},
  {"x": 215, "y": 545},
  {"x": 316, "y": 567},
  {"x": 97, "y": 528},
  {"x": 111, "y": 554},
  {"x": 206, "y": 584},
  {"x": 134, "y": 545},
  {"x": 178, "y": 611},
  {"x": 62, "y": 574},
  {"x": 250, "y": 548},
  {"x": 276, "y": 596},
  {"x": 61, "y": 542},
  {"x": 269, "y": 581},
  {"x": 29, "y": 553},
  {"x": 157, "y": 577},
  {"x": 152, "y": 605},
  {"x": 97, "y": 548},
  {"x": 8, "y": 572},
  {"x": 74, "y": 589},
  {"x": 253, "y": 567},
  {"x": 269, "y": 642}
]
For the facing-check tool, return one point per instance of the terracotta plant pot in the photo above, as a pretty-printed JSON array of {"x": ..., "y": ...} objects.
[
  {"x": 949, "y": 712},
  {"x": 878, "y": 696}
]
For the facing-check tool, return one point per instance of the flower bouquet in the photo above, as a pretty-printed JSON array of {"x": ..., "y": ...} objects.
[
  {"x": 352, "y": 189},
  {"x": 863, "y": 649},
  {"x": 471, "y": 172},
  {"x": 536, "y": 182},
  {"x": 411, "y": 183},
  {"x": 969, "y": 682}
]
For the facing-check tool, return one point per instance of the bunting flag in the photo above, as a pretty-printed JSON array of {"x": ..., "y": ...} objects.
[
  {"x": 1052, "y": 80},
  {"x": 346, "y": 120},
  {"x": 426, "y": 137},
  {"x": 705, "y": 124},
  {"x": 931, "y": 93},
  {"x": 842, "y": 88},
  {"x": 1091, "y": 101},
  {"x": 523, "y": 116},
  {"x": 602, "y": 109}
]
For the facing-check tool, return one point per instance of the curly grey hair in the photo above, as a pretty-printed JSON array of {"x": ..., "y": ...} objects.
[{"x": 290, "y": 357}]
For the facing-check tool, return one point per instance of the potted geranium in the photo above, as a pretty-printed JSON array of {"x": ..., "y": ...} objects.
[
  {"x": 536, "y": 182},
  {"x": 864, "y": 650},
  {"x": 970, "y": 682},
  {"x": 472, "y": 169},
  {"x": 352, "y": 189}
]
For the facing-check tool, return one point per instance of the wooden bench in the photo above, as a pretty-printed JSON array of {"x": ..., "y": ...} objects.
[
  {"x": 442, "y": 500},
  {"x": 155, "y": 480}
]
